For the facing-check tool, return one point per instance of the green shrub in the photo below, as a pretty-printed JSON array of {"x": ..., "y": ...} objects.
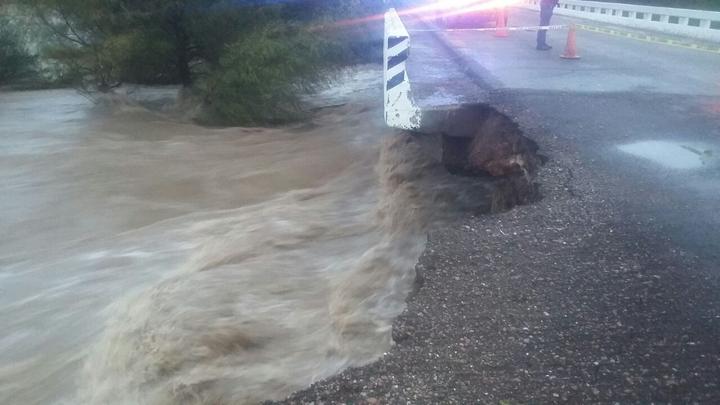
[
  {"x": 260, "y": 77},
  {"x": 248, "y": 61}
]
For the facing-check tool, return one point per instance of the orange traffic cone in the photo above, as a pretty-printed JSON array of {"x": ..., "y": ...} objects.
[
  {"x": 501, "y": 25},
  {"x": 571, "y": 47}
]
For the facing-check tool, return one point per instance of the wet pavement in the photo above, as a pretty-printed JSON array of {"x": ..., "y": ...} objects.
[
  {"x": 607, "y": 63},
  {"x": 606, "y": 290},
  {"x": 643, "y": 113},
  {"x": 670, "y": 154}
]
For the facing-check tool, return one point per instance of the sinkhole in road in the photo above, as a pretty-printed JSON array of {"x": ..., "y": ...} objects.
[
  {"x": 669, "y": 154},
  {"x": 479, "y": 141}
]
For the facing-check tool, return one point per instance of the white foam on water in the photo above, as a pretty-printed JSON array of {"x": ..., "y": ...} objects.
[{"x": 159, "y": 262}]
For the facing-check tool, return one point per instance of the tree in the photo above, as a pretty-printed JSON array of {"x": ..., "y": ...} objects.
[
  {"x": 89, "y": 40},
  {"x": 106, "y": 42},
  {"x": 233, "y": 54},
  {"x": 259, "y": 78},
  {"x": 171, "y": 23},
  {"x": 16, "y": 62}
]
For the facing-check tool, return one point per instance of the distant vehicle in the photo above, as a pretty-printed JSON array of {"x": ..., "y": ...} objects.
[{"x": 450, "y": 14}]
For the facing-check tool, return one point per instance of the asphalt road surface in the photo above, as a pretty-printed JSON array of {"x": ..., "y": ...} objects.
[
  {"x": 645, "y": 114},
  {"x": 605, "y": 291}
]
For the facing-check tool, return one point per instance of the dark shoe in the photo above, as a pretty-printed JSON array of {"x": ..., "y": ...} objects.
[{"x": 544, "y": 47}]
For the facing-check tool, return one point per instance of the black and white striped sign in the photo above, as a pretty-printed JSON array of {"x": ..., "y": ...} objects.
[{"x": 400, "y": 110}]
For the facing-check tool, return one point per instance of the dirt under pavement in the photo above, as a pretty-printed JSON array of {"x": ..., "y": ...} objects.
[{"x": 567, "y": 300}]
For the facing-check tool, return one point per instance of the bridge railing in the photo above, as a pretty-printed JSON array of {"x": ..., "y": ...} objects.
[{"x": 698, "y": 24}]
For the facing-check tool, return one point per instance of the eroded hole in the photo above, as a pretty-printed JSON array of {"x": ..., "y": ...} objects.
[{"x": 483, "y": 146}]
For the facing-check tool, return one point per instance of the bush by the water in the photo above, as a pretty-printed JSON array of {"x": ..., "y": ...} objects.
[
  {"x": 260, "y": 77},
  {"x": 247, "y": 60}
]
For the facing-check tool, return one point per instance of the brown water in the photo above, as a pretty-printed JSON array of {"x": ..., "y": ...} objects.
[{"x": 149, "y": 261}]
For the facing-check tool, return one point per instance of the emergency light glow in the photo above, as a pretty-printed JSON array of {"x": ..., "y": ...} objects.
[
  {"x": 446, "y": 7},
  {"x": 459, "y": 7},
  {"x": 473, "y": 5}
]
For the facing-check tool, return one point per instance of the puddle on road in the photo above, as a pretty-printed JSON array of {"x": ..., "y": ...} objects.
[{"x": 672, "y": 155}]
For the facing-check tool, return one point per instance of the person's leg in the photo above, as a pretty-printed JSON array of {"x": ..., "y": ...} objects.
[{"x": 545, "y": 16}]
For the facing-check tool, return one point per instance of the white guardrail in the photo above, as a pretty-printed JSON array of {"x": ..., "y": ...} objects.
[
  {"x": 400, "y": 109},
  {"x": 698, "y": 24}
]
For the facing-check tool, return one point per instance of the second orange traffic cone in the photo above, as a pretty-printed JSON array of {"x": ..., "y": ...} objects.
[
  {"x": 501, "y": 25},
  {"x": 571, "y": 47}
]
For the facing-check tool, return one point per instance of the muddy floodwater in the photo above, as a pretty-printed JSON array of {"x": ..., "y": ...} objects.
[{"x": 147, "y": 260}]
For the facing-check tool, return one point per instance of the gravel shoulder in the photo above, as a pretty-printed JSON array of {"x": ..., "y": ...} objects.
[{"x": 567, "y": 300}]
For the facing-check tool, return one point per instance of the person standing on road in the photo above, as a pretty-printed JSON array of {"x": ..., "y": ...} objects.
[{"x": 546, "y": 12}]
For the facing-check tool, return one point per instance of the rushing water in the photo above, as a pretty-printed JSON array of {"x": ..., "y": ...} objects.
[{"x": 144, "y": 260}]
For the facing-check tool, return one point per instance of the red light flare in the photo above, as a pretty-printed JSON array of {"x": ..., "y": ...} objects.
[
  {"x": 458, "y": 7},
  {"x": 487, "y": 5},
  {"x": 713, "y": 108}
]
